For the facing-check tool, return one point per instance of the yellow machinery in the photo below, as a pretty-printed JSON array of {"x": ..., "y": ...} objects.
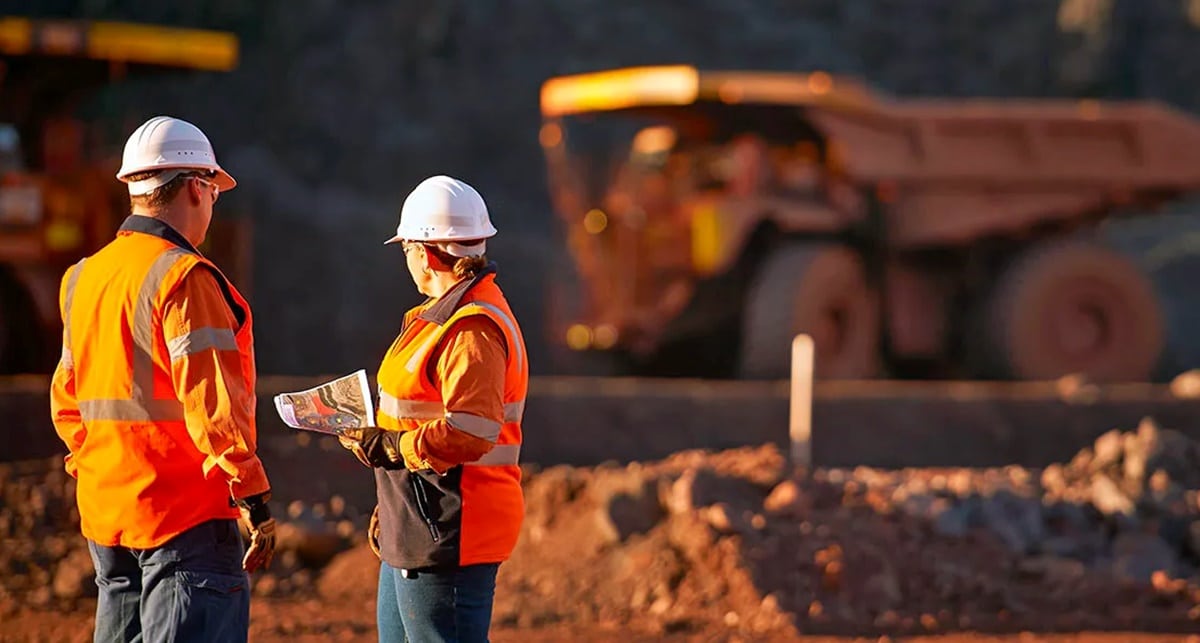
[
  {"x": 59, "y": 200},
  {"x": 712, "y": 215}
]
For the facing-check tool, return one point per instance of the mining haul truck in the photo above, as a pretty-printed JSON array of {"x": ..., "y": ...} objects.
[
  {"x": 59, "y": 198},
  {"x": 712, "y": 216}
]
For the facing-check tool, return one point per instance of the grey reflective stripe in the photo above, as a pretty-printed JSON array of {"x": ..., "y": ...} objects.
[
  {"x": 477, "y": 426},
  {"x": 514, "y": 411},
  {"x": 201, "y": 339},
  {"x": 141, "y": 405},
  {"x": 426, "y": 410},
  {"x": 418, "y": 357},
  {"x": 513, "y": 335},
  {"x": 410, "y": 409},
  {"x": 131, "y": 410},
  {"x": 500, "y": 454},
  {"x": 68, "y": 358}
]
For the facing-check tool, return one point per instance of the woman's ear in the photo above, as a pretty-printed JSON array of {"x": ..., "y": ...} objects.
[{"x": 435, "y": 260}]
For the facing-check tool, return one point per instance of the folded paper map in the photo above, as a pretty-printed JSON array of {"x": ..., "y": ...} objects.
[{"x": 340, "y": 404}]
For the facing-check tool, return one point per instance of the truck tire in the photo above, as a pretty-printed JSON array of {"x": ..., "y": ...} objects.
[
  {"x": 9, "y": 362},
  {"x": 1072, "y": 306},
  {"x": 23, "y": 341},
  {"x": 815, "y": 288}
]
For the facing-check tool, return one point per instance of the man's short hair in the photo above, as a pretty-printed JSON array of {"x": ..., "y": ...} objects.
[{"x": 162, "y": 195}]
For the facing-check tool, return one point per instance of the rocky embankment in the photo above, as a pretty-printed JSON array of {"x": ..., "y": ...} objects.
[{"x": 733, "y": 540}]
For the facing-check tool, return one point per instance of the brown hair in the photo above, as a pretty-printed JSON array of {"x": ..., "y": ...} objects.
[
  {"x": 162, "y": 195},
  {"x": 462, "y": 267}
]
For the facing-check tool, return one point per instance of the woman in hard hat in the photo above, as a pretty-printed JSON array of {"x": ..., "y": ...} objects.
[{"x": 451, "y": 395}]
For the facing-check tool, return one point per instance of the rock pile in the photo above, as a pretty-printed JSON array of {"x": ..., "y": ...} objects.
[
  {"x": 44, "y": 559},
  {"x": 848, "y": 551},
  {"x": 734, "y": 542},
  {"x": 39, "y": 535},
  {"x": 1129, "y": 504}
]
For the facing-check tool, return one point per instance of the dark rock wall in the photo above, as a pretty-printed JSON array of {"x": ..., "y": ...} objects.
[{"x": 339, "y": 107}]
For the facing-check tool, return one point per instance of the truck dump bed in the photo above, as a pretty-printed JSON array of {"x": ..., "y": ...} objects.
[
  {"x": 965, "y": 169},
  {"x": 954, "y": 169}
]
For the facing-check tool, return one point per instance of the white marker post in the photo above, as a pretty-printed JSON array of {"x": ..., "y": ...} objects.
[{"x": 800, "y": 417}]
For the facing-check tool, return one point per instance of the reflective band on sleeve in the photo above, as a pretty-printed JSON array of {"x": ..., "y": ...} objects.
[
  {"x": 141, "y": 405},
  {"x": 477, "y": 426},
  {"x": 67, "y": 360},
  {"x": 514, "y": 411},
  {"x": 426, "y": 410},
  {"x": 131, "y": 410},
  {"x": 513, "y": 336},
  {"x": 501, "y": 454},
  {"x": 201, "y": 339},
  {"x": 410, "y": 409}
]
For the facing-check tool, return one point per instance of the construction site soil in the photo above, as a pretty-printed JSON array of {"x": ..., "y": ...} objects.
[{"x": 731, "y": 546}]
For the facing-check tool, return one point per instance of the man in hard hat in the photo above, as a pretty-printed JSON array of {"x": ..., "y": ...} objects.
[
  {"x": 451, "y": 396},
  {"x": 154, "y": 398}
]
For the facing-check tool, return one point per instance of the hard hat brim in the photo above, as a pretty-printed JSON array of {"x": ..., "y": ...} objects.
[
  {"x": 398, "y": 239},
  {"x": 224, "y": 180}
]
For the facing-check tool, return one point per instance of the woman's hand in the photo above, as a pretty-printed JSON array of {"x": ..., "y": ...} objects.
[
  {"x": 351, "y": 439},
  {"x": 374, "y": 447}
]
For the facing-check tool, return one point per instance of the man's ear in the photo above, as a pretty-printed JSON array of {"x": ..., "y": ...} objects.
[{"x": 195, "y": 191}]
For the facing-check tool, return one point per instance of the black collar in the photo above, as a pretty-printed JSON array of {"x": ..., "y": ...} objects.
[
  {"x": 158, "y": 228},
  {"x": 443, "y": 309}
]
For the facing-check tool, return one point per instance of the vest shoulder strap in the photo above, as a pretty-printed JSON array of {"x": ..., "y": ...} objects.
[
  {"x": 497, "y": 314},
  {"x": 239, "y": 312}
]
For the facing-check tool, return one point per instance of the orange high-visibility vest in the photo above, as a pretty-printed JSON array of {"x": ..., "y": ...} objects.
[
  {"x": 473, "y": 513},
  {"x": 140, "y": 476}
]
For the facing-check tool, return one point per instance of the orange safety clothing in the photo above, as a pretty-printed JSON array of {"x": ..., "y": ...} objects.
[
  {"x": 453, "y": 386},
  {"x": 470, "y": 366},
  {"x": 154, "y": 393}
]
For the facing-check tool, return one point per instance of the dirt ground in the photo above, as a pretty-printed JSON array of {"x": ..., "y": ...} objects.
[
  {"x": 282, "y": 620},
  {"x": 732, "y": 546}
]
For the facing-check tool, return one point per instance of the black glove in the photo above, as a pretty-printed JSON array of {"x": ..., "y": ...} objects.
[{"x": 373, "y": 447}]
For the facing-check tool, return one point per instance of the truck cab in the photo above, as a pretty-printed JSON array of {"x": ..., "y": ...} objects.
[
  {"x": 713, "y": 215},
  {"x": 59, "y": 198}
]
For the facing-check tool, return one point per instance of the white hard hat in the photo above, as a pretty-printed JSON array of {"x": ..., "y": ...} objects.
[
  {"x": 447, "y": 212},
  {"x": 165, "y": 143}
]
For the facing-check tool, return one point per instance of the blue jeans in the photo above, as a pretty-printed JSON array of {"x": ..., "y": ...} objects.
[
  {"x": 190, "y": 589},
  {"x": 438, "y": 606}
]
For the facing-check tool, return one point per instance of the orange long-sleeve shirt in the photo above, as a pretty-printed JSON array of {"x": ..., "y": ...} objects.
[
  {"x": 198, "y": 326},
  {"x": 153, "y": 395},
  {"x": 218, "y": 401},
  {"x": 64, "y": 409},
  {"x": 469, "y": 369}
]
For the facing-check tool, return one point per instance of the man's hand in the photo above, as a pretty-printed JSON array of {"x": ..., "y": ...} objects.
[{"x": 256, "y": 515}]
